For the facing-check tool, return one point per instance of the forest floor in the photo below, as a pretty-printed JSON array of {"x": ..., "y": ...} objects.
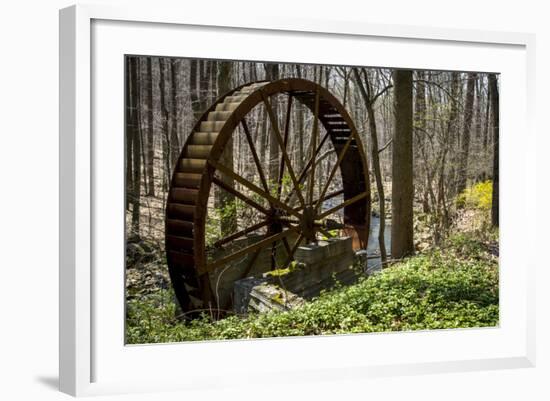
[
  {"x": 450, "y": 285},
  {"x": 454, "y": 285}
]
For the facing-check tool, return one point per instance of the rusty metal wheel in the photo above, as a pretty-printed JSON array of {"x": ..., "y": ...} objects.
[{"x": 283, "y": 217}]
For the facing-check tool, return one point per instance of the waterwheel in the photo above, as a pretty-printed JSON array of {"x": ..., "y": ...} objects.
[{"x": 280, "y": 217}]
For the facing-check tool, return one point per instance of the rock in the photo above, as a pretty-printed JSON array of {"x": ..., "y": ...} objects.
[
  {"x": 259, "y": 295},
  {"x": 360, "y": 260},
  {"x": 139, "y": 253}
]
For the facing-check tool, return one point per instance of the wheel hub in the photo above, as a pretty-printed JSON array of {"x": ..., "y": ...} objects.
[{"x": 276, "y": 225}]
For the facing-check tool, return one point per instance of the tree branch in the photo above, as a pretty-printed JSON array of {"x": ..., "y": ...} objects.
[{"x": 385, "y": 146}]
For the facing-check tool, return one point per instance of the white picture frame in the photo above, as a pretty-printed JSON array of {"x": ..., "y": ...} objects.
[{"x": 94, "y": 360}]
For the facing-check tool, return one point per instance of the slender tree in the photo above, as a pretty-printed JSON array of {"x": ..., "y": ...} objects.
[
  {"x": 369, "y": 98},
  {"x": 142, "y": 113},
  {"x": 448, "y": 142},
  {"x": 452, "y": 134},
  {"x": 402, "y": 167},
  {"x": 224, "y": 198},
  {"x": 134, "y": 120},
  {"x": 272, "y": 74},
  {"x": 299, "y": 124},
  {"x": 194, "y": 88},
  {"x": 420, "y": 139},
  {"x": 150, "y": 130},
  {"x": 165, "y": 118},
  {"x": 462, "y": 174},
  {"x": 129, "y": 134},
  {"x": 174, "y": 139},
  {"x": 486, "y": 123},
  {"x": 493, "y": 88},
  {"x": 478, "y": 112},
  {"x": 214, "y": 92},
  {"x": 205, "y": 71}
]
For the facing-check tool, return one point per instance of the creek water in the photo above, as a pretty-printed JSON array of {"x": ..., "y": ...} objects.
[{"x": 373, "y": 248}]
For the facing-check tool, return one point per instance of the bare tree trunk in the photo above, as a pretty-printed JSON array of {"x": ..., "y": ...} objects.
[
  {"x": 174, "y": 140},
  {"x": 164, "y": 117},
  {"x": 486, "y": 125},
  {"x": 272, "y": 74},
  {"x": 205, "y": 67},
  {"x": 134, "y": 118},
  {"x": 346, "y": 77},
  {"x": 214, "y": 82},
  {"x": 452, "y": 129},
  {"x": 402, "y": 167},
  {"x": 477, "y": 122},
  {"x": 493, "y": 88},
  {"x": 150, "y": 130},
  {"x": 253, "y": 72},
  {"x": 224, "y": 198},
  {"x": 129, "y": 133},
  {"x": 194, "y": 89},
  {"x": 420, "y": 135},
  {"x": 300, "y": 126},
  {"x": 462, "y": 173},
  {"x": 366, "y": 93},
  {"x": 448, "y": 145}
]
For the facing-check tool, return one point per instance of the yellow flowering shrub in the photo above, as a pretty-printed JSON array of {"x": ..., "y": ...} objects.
[{"x": 478, "y": 196}]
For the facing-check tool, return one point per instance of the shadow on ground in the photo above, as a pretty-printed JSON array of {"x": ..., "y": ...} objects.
[{"x": 51, "y": 382}]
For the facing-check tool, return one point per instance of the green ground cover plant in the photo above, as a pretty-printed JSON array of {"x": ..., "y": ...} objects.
[{"x": 455, "y": 286}]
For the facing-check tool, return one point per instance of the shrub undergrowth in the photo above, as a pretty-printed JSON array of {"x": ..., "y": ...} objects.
[
  {"x": 478, "y": 196},
  {"x": 455, "y": 286}
]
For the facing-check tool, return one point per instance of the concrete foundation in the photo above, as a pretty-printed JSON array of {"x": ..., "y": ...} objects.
[
  {"x": 318, "y": 267},
  {"x": 223, "y": 278}
]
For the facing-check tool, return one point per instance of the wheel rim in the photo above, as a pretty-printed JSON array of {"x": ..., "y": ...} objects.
[{"x": 199, "y": 161}]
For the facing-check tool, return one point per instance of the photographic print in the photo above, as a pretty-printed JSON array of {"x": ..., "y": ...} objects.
[{"x": 272, "y": 199}]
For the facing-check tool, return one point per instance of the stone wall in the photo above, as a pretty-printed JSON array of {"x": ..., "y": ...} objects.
[
  {"x": 317, "y": 267},
  {"x": 223, "y": 278}
]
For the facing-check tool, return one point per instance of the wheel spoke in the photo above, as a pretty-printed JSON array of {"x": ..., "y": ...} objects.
[
  {"x": 251, "y": 248},
  {"x": 311, "y": 181},
  {"x": 239, "y": 195},
  {"x": 327, "y": 197},
  {"x": 333, "y": 171},
  {"x": 287, "y": 246},
  {"x": 251, "y": 263},
  {"x": 346, "y": 203},
  {"x": 275, "y": 127},
  {"x": 290, "y": 257},
  {"x": 253, "y": 187},
  {"x": 285, "y": 143},
  {"x": 254, "y": 154},
  {"x": 273, "y": 256},
  {"x": 304, "y": 171},
  {"x": 240, "y": 233}
]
